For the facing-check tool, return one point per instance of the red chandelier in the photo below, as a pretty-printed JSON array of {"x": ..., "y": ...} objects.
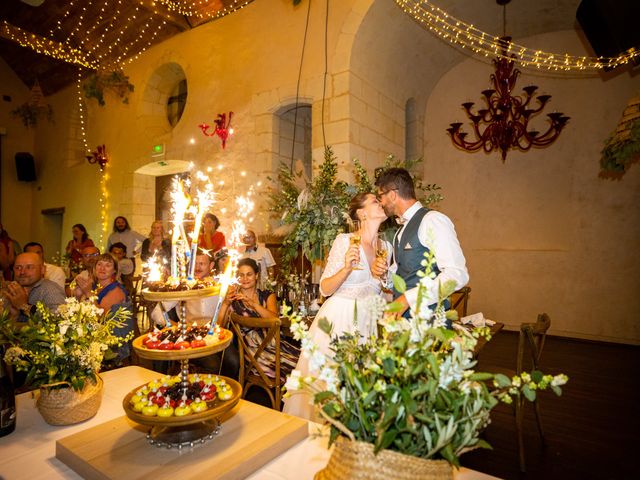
[{"x": 507, "y": 117}]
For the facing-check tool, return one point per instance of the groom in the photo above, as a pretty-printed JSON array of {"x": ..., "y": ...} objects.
[{"x": 421, "y": 229}]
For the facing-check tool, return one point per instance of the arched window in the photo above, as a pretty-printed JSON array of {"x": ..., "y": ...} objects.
[{"x": 293, "y": 131}]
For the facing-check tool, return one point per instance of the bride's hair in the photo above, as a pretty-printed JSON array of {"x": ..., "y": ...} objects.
[{"x": 356, "y": 204}]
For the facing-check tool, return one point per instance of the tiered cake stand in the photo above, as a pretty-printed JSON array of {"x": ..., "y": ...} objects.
[{"x": 180, "y": 432}]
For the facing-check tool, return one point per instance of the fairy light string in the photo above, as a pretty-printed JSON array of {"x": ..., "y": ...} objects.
[{"x": 465, "y": 35}]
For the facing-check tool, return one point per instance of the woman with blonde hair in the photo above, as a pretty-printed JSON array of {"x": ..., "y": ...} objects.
[{"x": 156, "y": 244}]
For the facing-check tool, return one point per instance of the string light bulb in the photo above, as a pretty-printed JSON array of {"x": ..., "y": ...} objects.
[{"x": 465, "y": 35}]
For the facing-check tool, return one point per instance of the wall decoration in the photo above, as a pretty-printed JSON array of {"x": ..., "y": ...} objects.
[
  {"x": 99, "y": 156},
  {"x": 622, "y": 148},
  {"x": 115, "y": 81},
  {"x": 33, "y": 109},
  {"x": 223, "y": 128}
]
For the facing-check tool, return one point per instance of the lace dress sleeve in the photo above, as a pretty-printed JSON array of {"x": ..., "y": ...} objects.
[{"x": 335, "y": 262}]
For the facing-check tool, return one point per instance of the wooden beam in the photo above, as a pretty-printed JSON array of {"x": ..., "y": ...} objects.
[
  {"x": 45, "y": 46},
  {"x": 175, "y": 19}
]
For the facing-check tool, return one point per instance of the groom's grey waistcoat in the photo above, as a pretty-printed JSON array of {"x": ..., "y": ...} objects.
[{"x": 409, "y": 252}]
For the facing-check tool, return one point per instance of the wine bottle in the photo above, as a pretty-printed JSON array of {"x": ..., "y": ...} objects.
[{"x": 7, "y": 400}]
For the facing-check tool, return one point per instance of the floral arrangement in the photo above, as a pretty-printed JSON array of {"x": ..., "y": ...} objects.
[
  {"x": 30, "y": 113},
  {"x": 618, "y": 156},
  {"x": 413, "y": 389},
  {"x": 67, "y": 345},
  {"x": 315, "y": 211}
]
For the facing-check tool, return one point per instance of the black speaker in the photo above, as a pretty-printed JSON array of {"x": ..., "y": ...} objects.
[
  {"x": 610, "y": 26},
  {"x": 25, "y": 167}
]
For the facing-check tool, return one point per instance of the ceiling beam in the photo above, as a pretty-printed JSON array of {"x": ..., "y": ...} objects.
[
  {"x": 45, "y": 46},
  {"x": 177, "y": 20}
]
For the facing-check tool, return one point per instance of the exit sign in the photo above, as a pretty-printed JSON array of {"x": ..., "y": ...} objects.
[{"x": 158, "y": 149}]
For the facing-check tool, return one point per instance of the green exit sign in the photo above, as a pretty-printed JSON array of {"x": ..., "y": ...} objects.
[{"x": 158, "y": 149}]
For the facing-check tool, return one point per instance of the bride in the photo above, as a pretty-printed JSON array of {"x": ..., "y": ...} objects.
[{"x": 348, "y": 281}]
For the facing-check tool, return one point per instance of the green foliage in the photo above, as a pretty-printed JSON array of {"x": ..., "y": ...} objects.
[
  {"x": 316, "y": 210},
  {"x": 115, "y": 81},
  {"x": 617, "y": 157},
  {"x": 30, "y": 114},
  {"x": 413, "y": 388},
  {"x": 67, "y": 345}
]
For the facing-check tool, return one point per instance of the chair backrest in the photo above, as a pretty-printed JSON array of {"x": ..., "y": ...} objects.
[
  {"x": 532, "y": 335},
  {"x": 252, "y": 371},
  {"x": 459, "y": 300}
]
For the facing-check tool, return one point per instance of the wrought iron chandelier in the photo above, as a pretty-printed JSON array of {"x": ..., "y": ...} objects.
[{"x": 507, "y": 116}]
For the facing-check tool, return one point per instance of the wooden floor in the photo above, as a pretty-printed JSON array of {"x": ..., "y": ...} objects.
[{"x": 591, "y": 431}]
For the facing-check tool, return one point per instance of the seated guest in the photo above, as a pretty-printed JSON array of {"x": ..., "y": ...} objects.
[
  {"x": 125, "y": 266},
  {"x": 210, "y": 238},
  {"x": 247, "y": 300},
  {"x": 7, "y": 253},
  {"x": 111, "y": 295},
  {"x": 84, "y": 279},
  {"x": 51, "y": 272},
  {"x": 30, "y": 287},
  {"x": 220, "y": 261},
  {"x": 262, "y": 256},
  {"x": 199, "y": 310},
  {"x": 157, "y": 244},
  {"x": 78, "y": 242}
]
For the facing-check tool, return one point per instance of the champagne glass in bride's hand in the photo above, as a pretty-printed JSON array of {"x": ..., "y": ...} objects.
[{"x": 355, "y": 238}]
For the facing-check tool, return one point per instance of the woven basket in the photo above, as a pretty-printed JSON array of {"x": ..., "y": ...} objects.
[
  {"x": 356, "y": 461},
  {"x": 65, "y": 406}
]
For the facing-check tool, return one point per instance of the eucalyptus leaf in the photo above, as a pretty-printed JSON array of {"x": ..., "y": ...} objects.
[
  {"x": 399, "y": 284},
  {"x": 503, "y": 380},
  {"x": 529, "y": 393}
]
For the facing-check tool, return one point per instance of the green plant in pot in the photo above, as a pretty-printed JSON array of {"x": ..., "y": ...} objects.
[
  {"x": 61, "y": 352},
  {"x": 408, "y": 396}
]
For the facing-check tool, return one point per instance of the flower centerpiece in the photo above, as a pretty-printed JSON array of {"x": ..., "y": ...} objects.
[
  {"x": 61, "y": 352},
  {"x": 412, "y": 389}
]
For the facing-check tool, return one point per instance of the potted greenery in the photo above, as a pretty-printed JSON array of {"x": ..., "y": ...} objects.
[
  {"x": 408, "y": 403},
  {"x": 61, "y": 352}
]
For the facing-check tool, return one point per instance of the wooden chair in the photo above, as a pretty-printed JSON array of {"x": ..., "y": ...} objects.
[
  {"x": 532, "y": 338},
  {"x": 459, "y": 300},
  {"x": 252, "y": 372}
]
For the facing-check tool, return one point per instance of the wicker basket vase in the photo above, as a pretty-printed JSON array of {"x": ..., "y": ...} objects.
[
  {"x": 66, "y": 406},
  {"x": 356, "y": 461}
]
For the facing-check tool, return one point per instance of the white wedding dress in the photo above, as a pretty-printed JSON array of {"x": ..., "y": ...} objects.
[{"x": 347, "y": 310}]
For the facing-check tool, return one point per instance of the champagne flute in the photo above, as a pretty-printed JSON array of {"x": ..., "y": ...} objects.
[
  {"x": 355, "y": 238},
  {"x": 382, "y": 252}
]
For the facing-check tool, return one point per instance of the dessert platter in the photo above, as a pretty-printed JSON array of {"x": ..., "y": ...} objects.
[
  {"x": 178, "y": 417},
  {"x": 174, "y": 289},
  {"x": 172, "y": 344},
  {"x": 182, "y": 410}
]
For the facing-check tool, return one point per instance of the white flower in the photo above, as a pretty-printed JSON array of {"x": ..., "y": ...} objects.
[
  {"x": 294, "y": 381},
  {"x": 316, "y": 361},
  {"x": 559, "y": 380}
]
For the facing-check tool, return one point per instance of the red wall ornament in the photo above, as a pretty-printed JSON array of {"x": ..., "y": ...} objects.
[
  {"x": 99, "y": 156},
  {"x": 222, "y": 128}
]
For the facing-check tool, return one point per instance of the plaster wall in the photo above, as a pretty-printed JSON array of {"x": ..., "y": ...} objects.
[
  {"x": 15, "y": 196},
  {"x": 541, "y": 232}
]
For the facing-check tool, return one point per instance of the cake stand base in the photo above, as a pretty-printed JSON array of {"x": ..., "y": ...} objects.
[{"x": 185, "y": 436}]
